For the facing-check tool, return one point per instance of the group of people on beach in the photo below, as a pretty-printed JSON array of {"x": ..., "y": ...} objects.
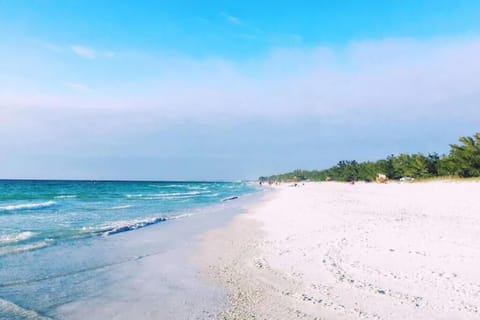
[
  {"x": 277, "y": 183},
  {"x": 269, "y": 183}
]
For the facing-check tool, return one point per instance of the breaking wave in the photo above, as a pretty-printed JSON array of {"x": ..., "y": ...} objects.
[
  {"x": 172, "y": 195},
  {"x": 27, "y": 247},
  {"x": 12, "y": 238},
  {"x": 27, "y": 206},
  {"x": 65, "y": 196},
  {"x": 120, "y": 207},
  {"x": 124, "y": 226},
  {"x": 10, "y": 310}
]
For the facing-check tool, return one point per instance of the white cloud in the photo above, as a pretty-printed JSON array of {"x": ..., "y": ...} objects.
[
  {"x": 365, "y": 99},
  {"x": 84, "y": 52},
  {"x": 232, "y": 19},
  {"x": 49, "y": 46},
  {"x": 403, "y": 77},
  {"x": 91, "y": 53}
]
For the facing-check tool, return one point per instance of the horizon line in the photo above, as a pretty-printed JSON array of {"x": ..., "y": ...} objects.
[{"x": 124, "y": 180}]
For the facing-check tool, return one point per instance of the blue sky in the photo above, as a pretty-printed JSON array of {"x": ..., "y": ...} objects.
[
  {"x": 234, "y": 29},
  {"x": 230, "y": 89}
]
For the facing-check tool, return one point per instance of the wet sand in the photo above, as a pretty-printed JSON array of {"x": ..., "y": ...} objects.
[{"x": 154, "y": 277}]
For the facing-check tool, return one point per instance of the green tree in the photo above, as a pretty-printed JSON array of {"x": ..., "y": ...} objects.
[
  {"x": 465, "y": 158},
  {"x": 463, "y": 161},
  {"x": 433, "y": 160},
  {"x": 416, "y": 166}
]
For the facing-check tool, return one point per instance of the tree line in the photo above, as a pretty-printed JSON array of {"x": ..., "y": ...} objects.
[{"x": 463, "y": 160}]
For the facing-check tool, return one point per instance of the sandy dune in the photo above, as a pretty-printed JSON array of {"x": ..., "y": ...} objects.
[{"x": 364, "y": 251}]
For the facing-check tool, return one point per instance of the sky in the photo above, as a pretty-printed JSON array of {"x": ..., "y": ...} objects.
[{"x": 209, "y": 90}]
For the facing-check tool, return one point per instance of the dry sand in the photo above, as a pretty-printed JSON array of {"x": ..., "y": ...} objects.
[{"x": 340, "y": 251}]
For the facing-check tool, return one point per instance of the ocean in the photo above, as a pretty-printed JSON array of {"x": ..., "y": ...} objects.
[{"x": 77, "y": 249}]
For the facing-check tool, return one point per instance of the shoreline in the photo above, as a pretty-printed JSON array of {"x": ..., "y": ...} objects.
[
  {"x": 341, "y": 251},
  {"x": 218, "y": 252},
  {"x": 163, "y": 284},
  {"x": 145, "y": 272}
]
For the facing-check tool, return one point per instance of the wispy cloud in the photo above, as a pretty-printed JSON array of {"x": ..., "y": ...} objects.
[
  {"x": 250, "y": 32},
  {"x": 232, "y": 19},
  {"x": 84, "y": 52},
  {"x": 91, "y": 53},
  {"x": 49, "y": 46},
  {"x": 382, "y": 77}
]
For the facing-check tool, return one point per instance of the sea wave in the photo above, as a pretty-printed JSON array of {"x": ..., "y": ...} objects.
[
  {"x": 65, "y": 196},
  {"x": 120, "y": 207},
  {"x": 167, "y": 194},
  {"x": 27, "y": 206},
  {"x": 28, "y": 247},
  {"x": 184, "y": 196},
  {"x": 13, "y": 311},
  {"x": 134, "y": 195},
  {"x": 12, "y": 238},
  {"x": 188, "y": 193},
  {"x": 167, "y": 185},
  {"x": 124, "y": 226},
  {"x": 180, "y": 216},
  {"x": 197, "y": 188}
]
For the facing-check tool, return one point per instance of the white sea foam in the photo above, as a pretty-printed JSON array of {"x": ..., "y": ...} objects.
[
  {"x": 188, "y": 193},
  {"x": 120, "y": 207},
  {"x": 17, "y": 312},
  {"x": 212, "y": 195},
  {"x": 89, "y": 229},
  {"x": 176, "y": 195},
  {"x": 180, "y": 216},
  {"x": 129, "y": 225},
  {"x": 27, "y": 206},
  {"x": 197, "y": 188},
  {"x": 65, "y": 196},
  {"x": 134, "y": 195},
  {"x": 167, "y": 185},
  {"x": 185, "y": 197},
  {"x": 18, "y": 249},
  {"x": 11, "y": 238},
  {"x": 169, "y": 195}
]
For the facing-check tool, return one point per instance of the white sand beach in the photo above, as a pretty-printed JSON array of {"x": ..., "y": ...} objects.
[{"x": 341, "y": 251}]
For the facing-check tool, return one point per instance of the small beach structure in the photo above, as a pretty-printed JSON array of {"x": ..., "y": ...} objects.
[{"x": 381, "y": 178}]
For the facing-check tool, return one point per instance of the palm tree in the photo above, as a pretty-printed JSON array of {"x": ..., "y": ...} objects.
[{"x": 465, "y": 158}]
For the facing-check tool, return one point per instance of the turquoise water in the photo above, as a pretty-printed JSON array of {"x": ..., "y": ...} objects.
[{"x": 57, "y": 237}]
